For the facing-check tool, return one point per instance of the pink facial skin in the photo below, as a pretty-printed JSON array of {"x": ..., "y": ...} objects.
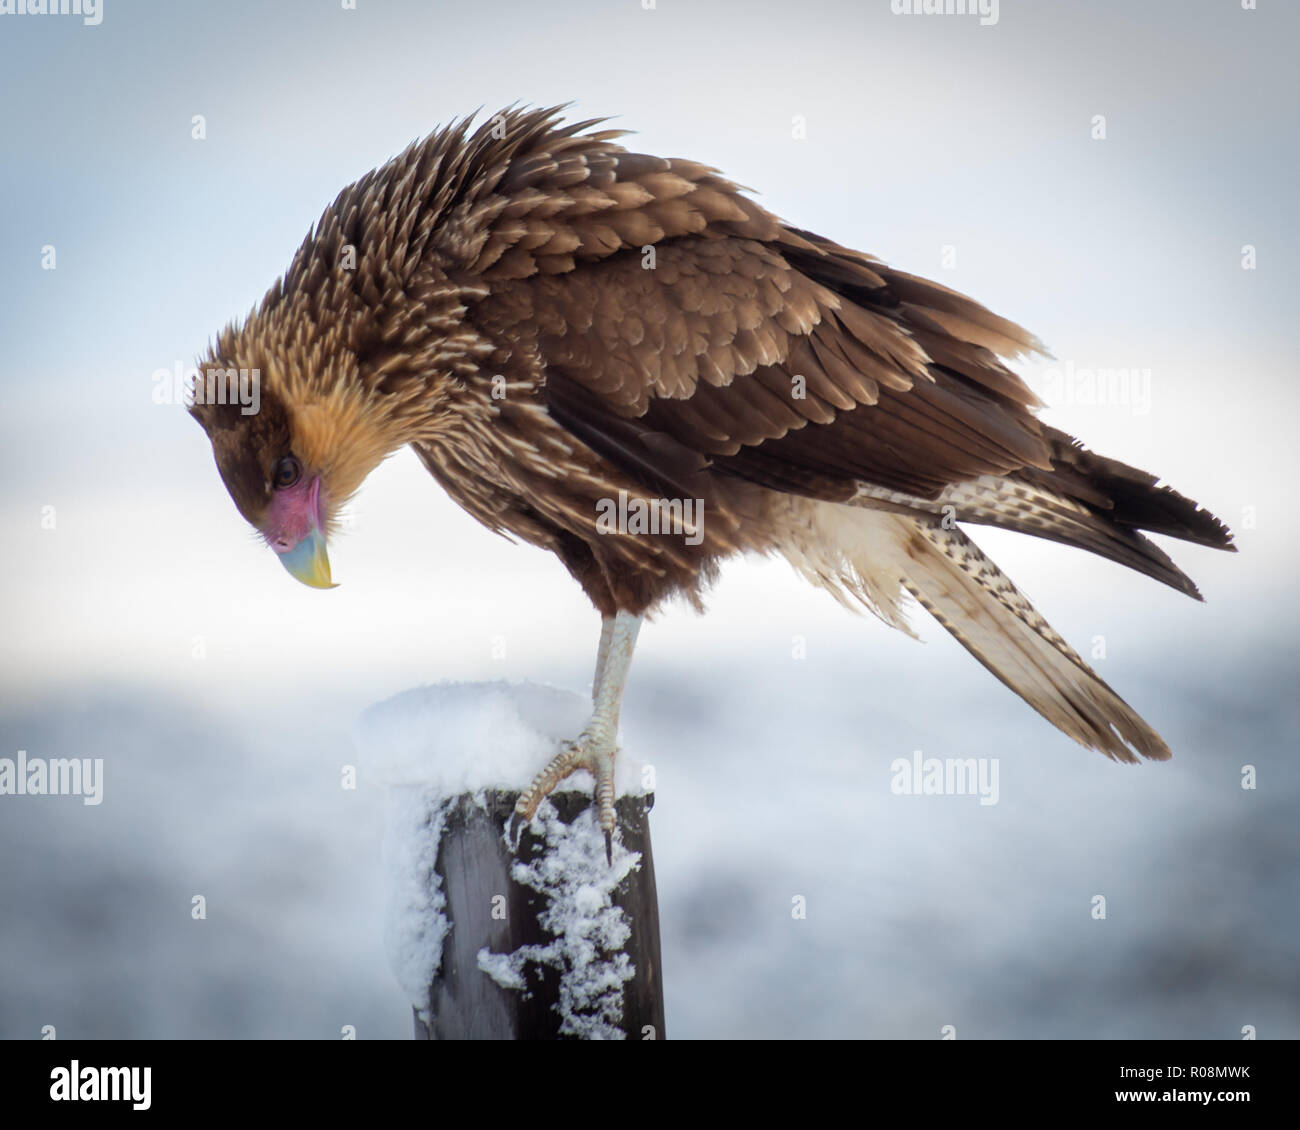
[{"x": 293, "y": 514}]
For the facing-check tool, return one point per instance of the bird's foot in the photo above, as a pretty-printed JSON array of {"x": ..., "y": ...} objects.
[{"x": 595, "y": 753}]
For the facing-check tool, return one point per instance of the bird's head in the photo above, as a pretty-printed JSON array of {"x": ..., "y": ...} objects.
[
  {"x": 294, "y": 436},
  {"x": 363, "y": 345}
]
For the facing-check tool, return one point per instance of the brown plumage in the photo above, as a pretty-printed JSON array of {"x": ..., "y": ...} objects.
[{"x": 550, "y": 320}]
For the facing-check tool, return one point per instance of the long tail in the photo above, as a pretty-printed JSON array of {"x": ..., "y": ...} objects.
[
  {"x": 868, "y": 554},
  {"x": 970, "y": 596},
  {"x": 1086, "y": 500}
]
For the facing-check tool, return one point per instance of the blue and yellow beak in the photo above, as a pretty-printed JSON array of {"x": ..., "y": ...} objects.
[
  {"x": 308, "y": 561},
  {"x": 292, "y": 528}
]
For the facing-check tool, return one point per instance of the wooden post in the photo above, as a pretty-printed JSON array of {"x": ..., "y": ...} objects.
[{"x": 503, "y": 974}]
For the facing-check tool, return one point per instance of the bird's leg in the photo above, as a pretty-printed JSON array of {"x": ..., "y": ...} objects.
[
  {"x": 602, "y": 652},
  {"x": 595, "y": 747}
]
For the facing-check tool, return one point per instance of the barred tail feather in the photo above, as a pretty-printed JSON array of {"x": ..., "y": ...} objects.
[
  {"x": 870, "y": 556},
  {"x": 966, "y": 592}
]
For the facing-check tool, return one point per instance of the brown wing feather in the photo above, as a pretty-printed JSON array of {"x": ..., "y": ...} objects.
[{"x": 653, "y": 291}]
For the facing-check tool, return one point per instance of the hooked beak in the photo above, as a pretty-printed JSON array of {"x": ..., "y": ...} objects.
[
  {"x": 308, "y": 561},
  {"x": 293, "y": 530}
]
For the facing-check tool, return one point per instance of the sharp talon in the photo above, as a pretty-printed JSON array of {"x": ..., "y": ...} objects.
[
  {"x": 516, "y": 825},
  {"x": 592, "y": 751}
]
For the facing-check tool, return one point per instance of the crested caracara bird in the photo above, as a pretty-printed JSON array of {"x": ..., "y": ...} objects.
[{"x": 624, "y": 360}]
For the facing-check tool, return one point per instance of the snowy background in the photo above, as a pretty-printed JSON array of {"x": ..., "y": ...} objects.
[{"x": 149, "y": 628}]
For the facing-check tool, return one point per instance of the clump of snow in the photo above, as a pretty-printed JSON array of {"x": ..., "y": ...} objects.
[
  {"x": 414, "y": 923},
  {"x": 502, "y": 968},
  {"x": 469, "y": 737},
  {"x": 433, "y": 744},
  {"x": 589, "y": 932},
  {"x": 465, "y": 737}
]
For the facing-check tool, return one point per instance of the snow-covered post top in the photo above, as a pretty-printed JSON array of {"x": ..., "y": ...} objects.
[{"x": 488, "y": 942}]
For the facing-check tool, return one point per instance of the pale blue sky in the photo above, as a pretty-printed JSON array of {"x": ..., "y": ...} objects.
[
  {"x": 921, "y": 132},
  {"x": 151, "y": 627}
]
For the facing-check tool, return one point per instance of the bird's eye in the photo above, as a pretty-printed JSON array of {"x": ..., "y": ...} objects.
[{"x": 287, "y": 472}]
